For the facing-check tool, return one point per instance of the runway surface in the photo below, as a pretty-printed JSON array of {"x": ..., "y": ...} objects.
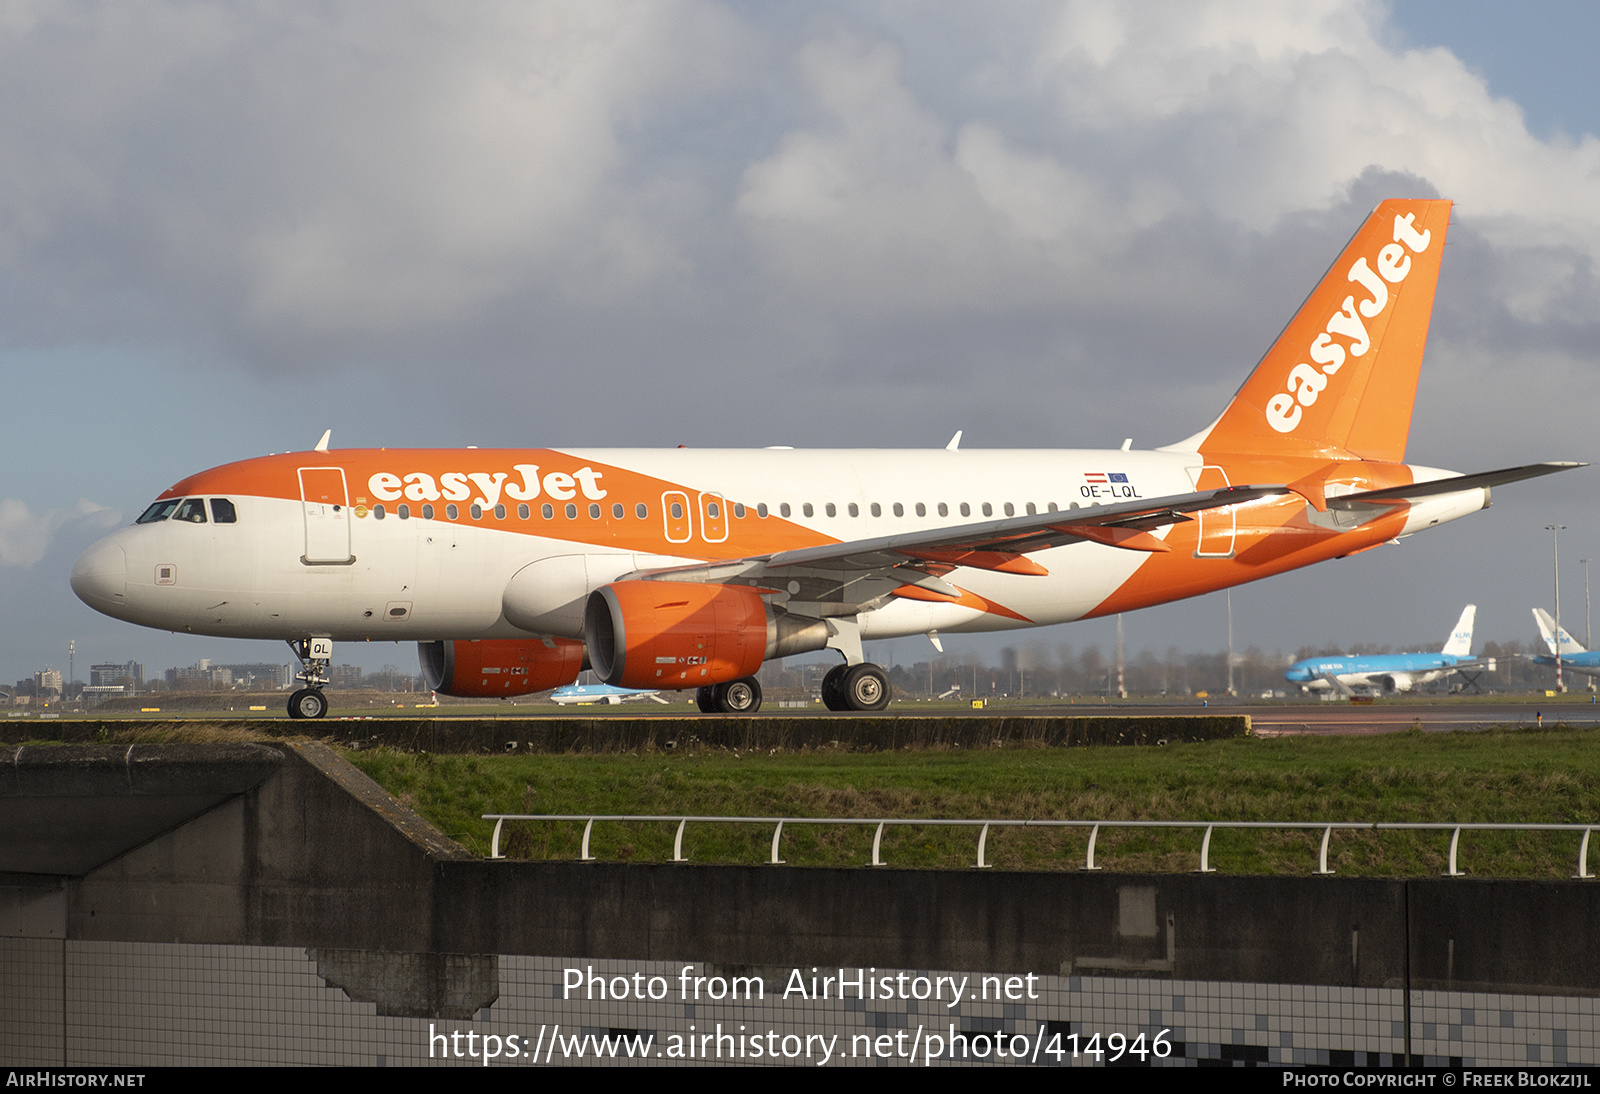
[{"x": 1278, "y": 719}]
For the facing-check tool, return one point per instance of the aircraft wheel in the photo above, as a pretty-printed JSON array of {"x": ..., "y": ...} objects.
[
  {"x": 832, "y": 693},
  {"x": 865, "y": 688},
  {"x": 706, "y": 700},
  {"x": 308, "y": 703},
  {"x": 738, "y": 697}
]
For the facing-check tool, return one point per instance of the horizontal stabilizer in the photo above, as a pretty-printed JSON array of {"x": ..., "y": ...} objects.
[{"x": 1434, "y": 487}]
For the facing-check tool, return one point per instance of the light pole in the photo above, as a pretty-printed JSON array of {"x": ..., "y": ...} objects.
[
  {"x": 1588, "y": 635},
  {"x": 1231, "y": 690},
  {"x": 1122, "y": 684},
  {"x": 1555, "y": 548}
]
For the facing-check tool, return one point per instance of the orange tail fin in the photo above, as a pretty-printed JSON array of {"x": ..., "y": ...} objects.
[{"x": 1341, "y": 379}]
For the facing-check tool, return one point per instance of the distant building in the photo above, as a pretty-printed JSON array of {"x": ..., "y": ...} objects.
[
  {"x": 344, "y": 676},
  {"x": 201, "y": 676},
  {"x": 47, "y": 682},
  {"x": 129, "y": 676},
  {"x": 261, "y": 676}
]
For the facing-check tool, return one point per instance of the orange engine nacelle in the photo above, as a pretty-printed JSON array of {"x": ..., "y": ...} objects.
[
  {"x": 496, "y": 668},
  {"x": 674, "y": 634}
]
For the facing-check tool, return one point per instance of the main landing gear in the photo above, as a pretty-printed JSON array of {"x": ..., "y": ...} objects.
[
  {"x": 734, "y": 697},
  {"x": 315, "y": 655},
  {"x": 863, "y": 688}
]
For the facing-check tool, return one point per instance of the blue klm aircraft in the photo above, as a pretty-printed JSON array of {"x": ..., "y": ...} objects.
[
  {"x": 582, "y": 694},
  {"x": 1573, "y": 656},
  {"x": 1391, "y": 673}
]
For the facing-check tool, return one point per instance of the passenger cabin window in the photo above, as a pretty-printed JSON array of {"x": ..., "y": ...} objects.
[
  {"x": 192, "y": 510},
  {"x": 738, "y": 510},
  {"x": 922, "y": 510},
  {"x": 161, "y": 510},
  {"x": 831, "y": 509},
  {"x": 966, "y": 510},
  {"x": 784, "y": 510},
  {"x": 377, "y": 511},
  {"x": 427, "y": 512},
  {"x": 499, "y": 512},
  {"x": 641, "y": 510},
  {"x": 523, "y": 511},
  {"x": 617, "y": 511},
  {"x": 547, "y": 511},
  {"x": 761, "y": 510},
  {"x": 222, "y": 511},
  {"x": 451, "y": 512},
  {"x": 806, "y": 509},
  {"x": 404, "y": 511}
]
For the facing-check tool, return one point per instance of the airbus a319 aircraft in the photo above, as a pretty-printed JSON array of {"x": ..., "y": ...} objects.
[
  {"x": 686, "y": 569},
  {"x": 1393, "y": 672}
]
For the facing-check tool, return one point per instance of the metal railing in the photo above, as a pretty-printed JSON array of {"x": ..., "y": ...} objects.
[{"x": 1094, "y": 826}]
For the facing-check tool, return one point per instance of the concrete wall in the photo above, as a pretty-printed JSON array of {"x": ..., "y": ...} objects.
[{"x": 319, "y": 856}]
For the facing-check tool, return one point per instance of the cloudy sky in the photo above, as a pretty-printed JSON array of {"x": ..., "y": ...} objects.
[{"x": 226, "y": 228}]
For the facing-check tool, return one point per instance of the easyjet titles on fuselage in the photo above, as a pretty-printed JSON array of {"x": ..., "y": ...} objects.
[{"x": 453, "y": 485}]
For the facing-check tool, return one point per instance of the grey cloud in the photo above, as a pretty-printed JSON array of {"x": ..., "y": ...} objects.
[
  {"x": 25, "y": 536},
  {"x": 1042, "y": 220}
]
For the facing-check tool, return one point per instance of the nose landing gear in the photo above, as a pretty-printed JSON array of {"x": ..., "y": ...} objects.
[{"x": 315, "y": 655}]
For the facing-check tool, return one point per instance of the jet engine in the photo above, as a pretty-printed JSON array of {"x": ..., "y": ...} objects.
[
  {"x": 677, "y": 634},
  {"x": 1396, "y": 681},
  {"x": 497, "y": 668}
]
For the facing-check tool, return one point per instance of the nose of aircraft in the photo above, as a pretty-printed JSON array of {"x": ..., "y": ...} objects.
[{"x": 100, "y": 576}]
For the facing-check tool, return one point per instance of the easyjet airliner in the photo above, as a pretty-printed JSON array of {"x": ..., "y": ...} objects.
[{"x": 687, "y": 569}]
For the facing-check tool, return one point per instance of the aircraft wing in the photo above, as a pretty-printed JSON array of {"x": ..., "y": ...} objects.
[
  {"x": 1002, "y": 545},
  {"x": 1336, "y": 684},
  {"x": 1398, "y": 494},
  {"x": 1480, "y": 664}
]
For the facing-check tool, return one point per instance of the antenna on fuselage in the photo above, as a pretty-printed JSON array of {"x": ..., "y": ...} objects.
[
  {"x": 322, "y": 445},
  {"x": 955, "y": 442}
]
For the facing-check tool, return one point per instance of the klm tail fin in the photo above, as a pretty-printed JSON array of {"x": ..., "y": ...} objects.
[
  {"x": 1340, "y": 381},
  {"x": 1459, "y": 644},
  {"x": 1549, "y": 631}
]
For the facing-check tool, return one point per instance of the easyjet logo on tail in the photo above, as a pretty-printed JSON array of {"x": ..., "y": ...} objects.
[{"x": 1305, "y": 381}]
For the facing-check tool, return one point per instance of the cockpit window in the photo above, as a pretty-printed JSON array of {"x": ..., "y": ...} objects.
[
  {"x": 222, "y": 511},
  {"x": 192, "y": 510},
  {"x": 161, "y": 510}
]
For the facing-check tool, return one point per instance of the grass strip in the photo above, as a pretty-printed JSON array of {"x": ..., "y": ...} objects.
[{"x": 1499, "y": 776}]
